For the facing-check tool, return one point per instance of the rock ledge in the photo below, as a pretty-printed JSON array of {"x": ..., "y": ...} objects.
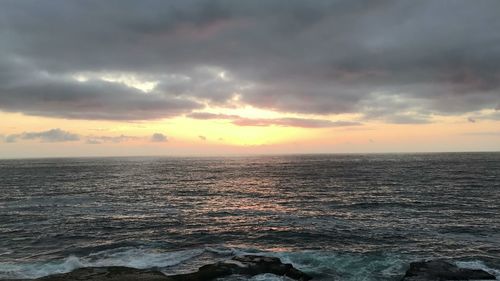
[
  {"x": 245, "y": 265},
  {"x": 439, "y": 270}
]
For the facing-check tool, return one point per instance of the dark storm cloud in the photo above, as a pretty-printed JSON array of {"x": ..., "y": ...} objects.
[
  {"x": 24, "y": 89},
  {"x": 317, "y": 57}
]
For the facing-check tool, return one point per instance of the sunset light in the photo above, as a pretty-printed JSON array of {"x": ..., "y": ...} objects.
[{"x": 224, "y": 140}]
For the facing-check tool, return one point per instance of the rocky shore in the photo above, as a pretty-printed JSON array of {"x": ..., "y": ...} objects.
[
  {"x": 442, "y": 270},
  {"x": 250, "y": 265}
]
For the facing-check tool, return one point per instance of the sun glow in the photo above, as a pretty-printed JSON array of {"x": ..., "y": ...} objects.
[
  {"x": 128, "y": 79},
  {"x": 223, "y": 132},
  {"x": 188, "y": 136}
]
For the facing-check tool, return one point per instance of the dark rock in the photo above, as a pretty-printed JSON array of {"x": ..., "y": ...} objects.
[
  {"x": 111, "y": 273},
  {"x": 440, "y": 270},
  {"x": 244, "y": 265}
]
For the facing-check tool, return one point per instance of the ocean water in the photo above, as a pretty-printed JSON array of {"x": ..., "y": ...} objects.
[{"x": 336, "y": 217}]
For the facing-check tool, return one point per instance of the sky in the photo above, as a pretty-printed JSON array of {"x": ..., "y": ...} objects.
[{"x": 183, "y": 77}]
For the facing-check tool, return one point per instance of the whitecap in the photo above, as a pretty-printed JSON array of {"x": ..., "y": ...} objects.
[
  {"x": 130, "y": 257},
  {"x": 477, "y": 264}
]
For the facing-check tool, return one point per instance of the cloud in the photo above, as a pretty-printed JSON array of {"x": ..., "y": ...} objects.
[
  {"x": 311, "y": 57},
  {"x": 262, "y": 122},
  {"x": 486, "y": 133},
  {"x": 93, "y": 141},
  {"x": 203, "y": 138},
  {"x": 294, "y": 122},
  {"x": 53, "y": 135},
  {"x": 36, "y": 94},
  {"x": 484, "y": 115},
  {"x": 110, "y": 139},
  {"x": 158, "y": 137},
  {"x": 209, "y": 116},
  {"x": 11, "y": 138},
  {"x": 406, "y": 119},
  {"x": 59, "y": 135},
  {"x": 493, "y": 116}
]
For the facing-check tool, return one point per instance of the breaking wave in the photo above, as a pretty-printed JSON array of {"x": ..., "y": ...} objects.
[
  {"x": 322, "y": 265},
  {"x": 130, "y": 257}
]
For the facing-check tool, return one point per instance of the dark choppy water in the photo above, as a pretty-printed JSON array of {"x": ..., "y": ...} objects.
[{"x": 343, "y": 217}]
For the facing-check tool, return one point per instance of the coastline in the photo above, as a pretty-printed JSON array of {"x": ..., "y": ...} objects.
[{"x": 255, "y": 265}]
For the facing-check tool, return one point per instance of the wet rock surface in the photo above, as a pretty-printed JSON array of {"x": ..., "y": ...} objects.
[
  {"x": 111, "y": 273},
  {"x": 439, "y": 270},
  {"x": 250, "y": 265},
  {"x": 245, "y": 265}
]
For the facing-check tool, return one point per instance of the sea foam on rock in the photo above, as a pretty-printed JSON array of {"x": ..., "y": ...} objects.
[
  {"x": 439, "y": 270},
  {"x": 251, "y": 265},
  {"x": 242, "y": 265}
]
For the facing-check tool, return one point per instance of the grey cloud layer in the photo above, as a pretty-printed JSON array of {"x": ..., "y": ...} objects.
[
  {"x": 318, "y": 57},
  {"x": 27, "y": 90},
  {"x": 263, "y": 122},
  {"x": 208, "y": 116},
  {"x": 53, "y": 135},
  {"x": 294, "y": 122},
  {"x": 158, "y": 137},
  {"x": 59, "y": 135}
]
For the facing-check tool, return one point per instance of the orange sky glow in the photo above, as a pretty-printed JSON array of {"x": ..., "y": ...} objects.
[{"x": 190, "y": 79}]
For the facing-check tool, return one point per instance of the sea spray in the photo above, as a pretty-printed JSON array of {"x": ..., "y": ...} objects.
[{"x": 129, "y": 257}]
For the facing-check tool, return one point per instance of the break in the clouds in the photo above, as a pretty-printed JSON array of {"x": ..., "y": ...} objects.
[{"x": 395, "y": 61}]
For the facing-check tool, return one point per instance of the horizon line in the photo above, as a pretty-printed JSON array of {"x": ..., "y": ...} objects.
[{"x": 236, "y": 155}]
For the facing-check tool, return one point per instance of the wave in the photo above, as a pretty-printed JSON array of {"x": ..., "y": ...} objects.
[
  {"x": 322, "y": 265},
  {"x": 477, "y": 264},
  {"x": 130, "y": 257},
  {"x": 348, "y": 266},
  {"x": 260, "y": 277}
]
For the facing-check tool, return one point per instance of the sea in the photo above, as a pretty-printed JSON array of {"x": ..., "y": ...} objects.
[{"x": 335, "y": 217}]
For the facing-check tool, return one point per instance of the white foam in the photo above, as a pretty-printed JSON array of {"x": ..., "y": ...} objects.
[
  {"x": 225, "y": 251},
  {"x": 130, "y": 257},
  {"x": 4, "y": 253},
  {"x": 141, "y": 258},
  {"x": 478, "y": 265},
  {"x": 221, "y": 250},
  {"x": 269, "y": 277},
  {"x": 36, "y": 270},
  {"x": 237, "y": 263},
  {"x": 345, "y": 266},
  {"x": 260, "y": 277}
]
